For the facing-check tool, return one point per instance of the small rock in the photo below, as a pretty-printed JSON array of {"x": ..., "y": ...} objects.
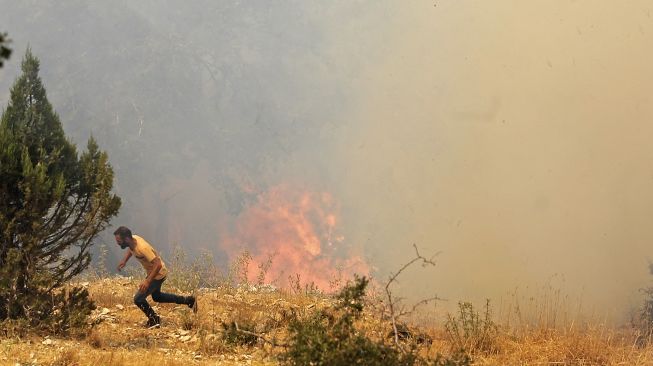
[
  {"x": 185, "y": 338},
  {"x": 48, "y": 342},
  {"x": 267, "y": 288},
  {"x": 119, "y": 307},
  {"x": 182, "y": 332},
  {"x": 105, "y": 311}
]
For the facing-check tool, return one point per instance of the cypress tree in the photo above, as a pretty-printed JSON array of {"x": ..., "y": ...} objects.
[{"x": 53, "y": 203}]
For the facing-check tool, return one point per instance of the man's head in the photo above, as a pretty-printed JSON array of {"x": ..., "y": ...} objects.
[{"x": 123, "y": 236}]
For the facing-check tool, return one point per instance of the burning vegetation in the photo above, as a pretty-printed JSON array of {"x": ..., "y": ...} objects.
[{"x": 293, "y": 235}]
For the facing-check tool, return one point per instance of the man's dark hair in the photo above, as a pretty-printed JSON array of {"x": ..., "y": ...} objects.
[{"x": 124, "y": 232}]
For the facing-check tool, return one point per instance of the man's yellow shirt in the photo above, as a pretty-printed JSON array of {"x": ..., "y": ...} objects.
[{"x": 145, "y": 254}]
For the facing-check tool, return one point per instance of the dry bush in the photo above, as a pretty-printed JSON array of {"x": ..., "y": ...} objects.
[
  {"x": 67, "y": 357},
  {"x": 111, "y": 291},
  {"x": 98, "y": 269},
  {"x": 239, "y": 334},
  {"x": 211, "y": 343},
  {"x": 263, "y": 269},
  {"x": 239, "y": 269},
  {"x": 15, "y": 328},
  {"x": 94, "y": 339},
  {"x": 188, "y": 319},
  {"x": 188, "y": 276},
  {"x": 296, "y": 287},
  {"x": 470, "y": 332},
  {"x": 111, "y": 359},
  {"x": 587, "y": 346}
]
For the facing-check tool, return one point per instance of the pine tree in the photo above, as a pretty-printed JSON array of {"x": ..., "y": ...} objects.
[
  {"x": 5, "y": 51},
  {"x": 53, "y": 203}
]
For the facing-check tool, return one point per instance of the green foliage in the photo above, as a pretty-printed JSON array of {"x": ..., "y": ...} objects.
[
  {"x": 5, "y": 51},
  {"x": 63, "y": 311},
  {"x": 350, "y": 298},
  {"x": 326, "y": 338},
  {"x": 471, "y": 333},
  {"x": 53, "y": 203},
  {"x": 66, "y": 310}
]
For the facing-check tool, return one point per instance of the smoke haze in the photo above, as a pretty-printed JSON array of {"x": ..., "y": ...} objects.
[{"x": 512, "y": 137}]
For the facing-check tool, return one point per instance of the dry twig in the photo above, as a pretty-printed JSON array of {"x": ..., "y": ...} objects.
[
  {"x": 392, "y": 303},
  {"x": 259, "y": 336}
]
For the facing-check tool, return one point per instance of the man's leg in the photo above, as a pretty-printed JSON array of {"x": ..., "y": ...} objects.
[
  {"x": 159, "y": 296},
  {"x": 140, "y": 299}
]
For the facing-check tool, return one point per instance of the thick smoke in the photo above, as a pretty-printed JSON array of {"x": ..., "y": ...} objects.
[{"x": 513, "y": 137}]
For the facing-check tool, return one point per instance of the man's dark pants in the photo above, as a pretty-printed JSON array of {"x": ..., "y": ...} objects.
[{"x": 140, "y": 299}]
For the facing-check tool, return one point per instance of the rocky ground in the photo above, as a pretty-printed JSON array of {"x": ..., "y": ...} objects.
[{"x": 119, "y": 336}]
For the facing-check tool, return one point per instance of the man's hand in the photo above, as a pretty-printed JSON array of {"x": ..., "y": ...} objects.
[
  {"x": 143, "y": 287},
  {"x": 121, "y": 265}
]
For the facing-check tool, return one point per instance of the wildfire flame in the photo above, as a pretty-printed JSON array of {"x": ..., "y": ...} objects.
[{"x": 294, "y": 234}]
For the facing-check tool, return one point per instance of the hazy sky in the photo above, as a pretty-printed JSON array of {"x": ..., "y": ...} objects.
[{"x": 512, "y": 136}]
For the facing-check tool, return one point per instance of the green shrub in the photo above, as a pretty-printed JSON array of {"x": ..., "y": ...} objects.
[
  {"x": 330, "y": 338},
  {"x": 64, "y": 311},
  {"x": 471, "y": 333}
]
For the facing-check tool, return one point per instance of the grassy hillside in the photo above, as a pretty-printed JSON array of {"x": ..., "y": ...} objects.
[{"x": 118, "y": 335}]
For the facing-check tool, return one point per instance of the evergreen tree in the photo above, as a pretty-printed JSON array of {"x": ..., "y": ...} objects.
[
  {"x": 53, "y": 203},
  {"x": 5, "y": 51}
]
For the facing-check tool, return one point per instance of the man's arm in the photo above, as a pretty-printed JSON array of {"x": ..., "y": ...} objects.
[
  {"x": 122, "y": 264},
  {"x": 155, "y": 271}
]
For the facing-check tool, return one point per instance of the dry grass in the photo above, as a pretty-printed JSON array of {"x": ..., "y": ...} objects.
[
  {"x": 121, "y": 339},
  {"x": 588, "y": 347}
]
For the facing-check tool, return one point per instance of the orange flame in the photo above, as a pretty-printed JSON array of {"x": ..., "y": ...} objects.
[{"x": 297, "y": 233}]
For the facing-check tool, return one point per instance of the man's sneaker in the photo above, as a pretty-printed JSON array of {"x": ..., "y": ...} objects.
[
  {"x": 192, "y": 303},
  {"x": 154, "y": 322}
]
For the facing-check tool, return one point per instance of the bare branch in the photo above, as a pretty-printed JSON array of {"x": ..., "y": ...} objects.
[
  {"x": 393, "y": 302},
  {"x": 259, "y": 336},
  {"x": 420, "y": 303}
]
